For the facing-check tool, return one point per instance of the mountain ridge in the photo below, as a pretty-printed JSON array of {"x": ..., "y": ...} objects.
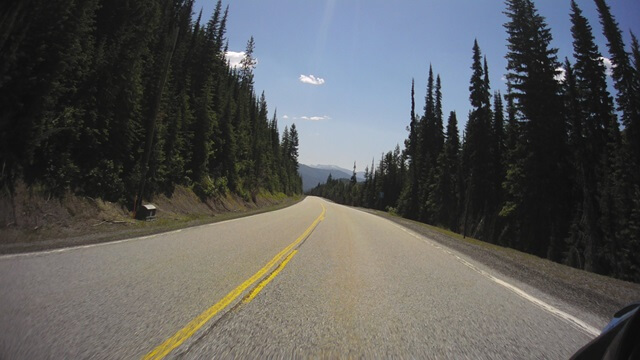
[{"x": 312, "y": 175}]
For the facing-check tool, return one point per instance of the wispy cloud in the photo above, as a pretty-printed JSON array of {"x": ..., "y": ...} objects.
[
  {"x": 310, "y": 79},
  {"x": 307, "y": 118},
  {"x": 315, "y": 118}
]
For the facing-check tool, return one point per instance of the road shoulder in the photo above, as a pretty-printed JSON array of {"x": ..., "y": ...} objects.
[{"x": 600, "y": 295}]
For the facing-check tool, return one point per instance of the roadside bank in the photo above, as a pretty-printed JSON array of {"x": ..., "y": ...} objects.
[{"x": 30, "y": 221}]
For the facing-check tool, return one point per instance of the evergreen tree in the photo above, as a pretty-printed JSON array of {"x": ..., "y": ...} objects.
[
  {"x": 590, "y": 109},
  {"x": 248, "y": 63},
  {"x": 426, "y": 142},
  {"x": 354, "y": 179},
  {"x": 434, "y": 144},
  {"x": 541, "y": 199},
  {"x": 178, "y": 111},
  {"x": 556, "y": 177},
  {"x": 438, "y": 134},
  {"x": 625, "y": 81},
  {"x": 276, "y": 159},
  {"x": 578, "y": 239},
  {"x": 408, "y": 205},
  {"x": 444, "y": 198},
  {"x": 497, "y": 171},
  {"x": 627, "y": 181},
  {"x": 499, "y": 140},
  {"x": 511, "y": 191},
  {"x": 369, "y": 188},
  {"x": 97, "y": 96},
  {"x": 284, "y": 171},
  {"x": 477, "y": 148},
  {"x": 295, "y": 181},
  {"x": 635, "y": 52},
  {"x": 430, "y": 140}
]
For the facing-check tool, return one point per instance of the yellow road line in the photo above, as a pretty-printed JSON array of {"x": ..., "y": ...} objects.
[
  {"x": 264, "y": 282},
  {"x": 178, "y": 338}
]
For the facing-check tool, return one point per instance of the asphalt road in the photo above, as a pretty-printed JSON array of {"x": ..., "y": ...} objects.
[{"x": 356, "y": 286}]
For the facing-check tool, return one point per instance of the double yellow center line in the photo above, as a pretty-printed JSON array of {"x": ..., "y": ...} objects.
[{"x": 182, "y": 335}]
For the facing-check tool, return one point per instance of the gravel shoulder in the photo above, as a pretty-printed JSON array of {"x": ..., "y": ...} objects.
[{"x": 595, "y": 293}]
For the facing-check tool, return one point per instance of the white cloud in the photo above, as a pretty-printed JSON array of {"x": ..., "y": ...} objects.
[
  {"x": 560, "y": 75},
  {"x": 315, "y": 118},
  {"x": 608, "y": 65},
  {"x": 310, "y": 79},
  {"x": 308, "y": 118},
  {"x": 234, "y": 58}
]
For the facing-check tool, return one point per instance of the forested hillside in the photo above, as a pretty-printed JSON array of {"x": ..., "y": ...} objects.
[
  {"x": 97, "y": 96},
  {"x": 553, "y": 170}
]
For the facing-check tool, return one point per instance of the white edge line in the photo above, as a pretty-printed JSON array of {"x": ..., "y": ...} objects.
[
  {"x": 572, "y": 320},
  {"x": 78, "y": 247}
]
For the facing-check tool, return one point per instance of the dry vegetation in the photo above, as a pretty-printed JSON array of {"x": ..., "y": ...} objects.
[{"x": 30, "y": 220}]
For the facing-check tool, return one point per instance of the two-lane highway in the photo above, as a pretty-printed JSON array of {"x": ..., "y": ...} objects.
[
  {"x": 121, "y": 300},
  {"x": 315, "y": 279}
]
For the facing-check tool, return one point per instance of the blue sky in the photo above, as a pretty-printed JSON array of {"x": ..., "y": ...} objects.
[{"x": 362, "y": 55}]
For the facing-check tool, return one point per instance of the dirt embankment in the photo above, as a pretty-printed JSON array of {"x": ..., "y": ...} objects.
[{"x": 30, "y": 221}]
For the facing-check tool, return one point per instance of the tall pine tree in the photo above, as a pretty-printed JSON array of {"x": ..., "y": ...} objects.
[
  {"x": 541, "y": 202},
  {"x": 477, "y": 149}
]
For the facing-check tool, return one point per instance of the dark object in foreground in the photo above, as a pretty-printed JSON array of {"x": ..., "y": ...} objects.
[
  {"x": 620, "y": 339},
  {"x": 146, "y": 212}
]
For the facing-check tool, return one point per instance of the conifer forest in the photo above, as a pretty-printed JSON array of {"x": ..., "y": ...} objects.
[
  {"x": 551, "y": 167},
  {"x": 121, "y": 100},
  {"x": 124, "y": 100}
]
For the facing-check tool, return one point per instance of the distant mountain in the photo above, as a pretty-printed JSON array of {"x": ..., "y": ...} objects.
[
  {"x": 359, "y": 174},
  {"x": 330, "y": 167},
  {"x": 312, "y": 175}
]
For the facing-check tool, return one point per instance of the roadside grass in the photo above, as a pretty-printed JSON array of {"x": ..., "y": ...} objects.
[
  {"x": 455, "y": 235},
  {"x": 189, "y": 220},
  {"x": 161, "y": 225}
]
